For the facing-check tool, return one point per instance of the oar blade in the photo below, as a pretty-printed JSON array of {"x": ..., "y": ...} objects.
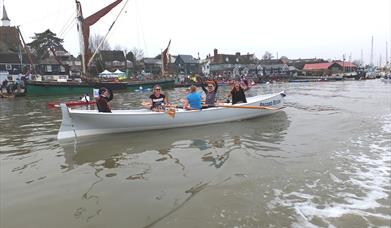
[{"x": 171, "y": 113}]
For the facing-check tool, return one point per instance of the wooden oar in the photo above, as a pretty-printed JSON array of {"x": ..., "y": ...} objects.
[
  {"x": 170, "y": 111},
  {"x": 247, "y": 107}
]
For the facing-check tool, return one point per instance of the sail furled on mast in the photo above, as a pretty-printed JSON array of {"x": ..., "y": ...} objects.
[
  {"x": 165, "y": 57},
  {"x": 89, "y": 21}
]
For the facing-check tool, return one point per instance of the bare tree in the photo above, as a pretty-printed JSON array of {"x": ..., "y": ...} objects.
[
  {"x": 267, "y": 55},
  {"x": 138, "y": 53},
  {"x": 95, "y": 40}
]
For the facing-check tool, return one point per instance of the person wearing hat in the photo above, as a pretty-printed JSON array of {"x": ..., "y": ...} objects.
[
  {"x": 210, "y": 92},
  {"x": 102, "y": 102}
]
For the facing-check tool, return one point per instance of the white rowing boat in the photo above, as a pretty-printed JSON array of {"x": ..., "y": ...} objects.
[{"x": 76, "y": 123}]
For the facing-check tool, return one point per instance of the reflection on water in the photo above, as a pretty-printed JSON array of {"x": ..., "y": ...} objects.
[
  {"x": 256, "y": 134},
  {"x": 188, "y": 159}
]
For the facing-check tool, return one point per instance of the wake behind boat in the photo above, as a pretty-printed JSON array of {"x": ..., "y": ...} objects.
[{"x": 76, "y": 123}]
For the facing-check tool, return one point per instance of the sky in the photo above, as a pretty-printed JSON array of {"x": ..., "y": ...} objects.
[{"x": 293, "y": 28}]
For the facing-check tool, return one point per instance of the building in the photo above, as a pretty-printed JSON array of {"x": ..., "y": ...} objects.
[
  {"x": 9, "y": 36},
  {"x": 112, "y": 60},
  {"x": 51, "y": 70},
  {"x": 228, "y": 65},
  {"x": 276, "y": 67},
  {"x": 14, "y": 63},
  {"x": 299, "y": 63},
  {"x": 186, "y": 64},
  {"x": 329, "y": 68},
  {"x": 12, "y": 60},
  {"x": 152, "y": 65}
]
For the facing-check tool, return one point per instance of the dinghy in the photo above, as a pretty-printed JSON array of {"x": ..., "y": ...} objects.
[{"x": 77, "y": 123}]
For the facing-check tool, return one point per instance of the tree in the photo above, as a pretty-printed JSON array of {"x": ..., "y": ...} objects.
[
  {"x": 95, "y": 40},
  {"x": 44, "y": 43},
  {"x": 267, "y": 55},
  {"x": 130, "y": 56},
  {"x": 138, "y": 53}
]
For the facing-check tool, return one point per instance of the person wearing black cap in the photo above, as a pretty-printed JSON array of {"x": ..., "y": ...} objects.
[{"x": 105, "y": 95}]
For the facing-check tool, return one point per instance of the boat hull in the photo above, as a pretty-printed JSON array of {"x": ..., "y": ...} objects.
[
  {"x": 37, "y": 88},
  {"x": 78, "y": 123},
  {"x": 42, "y": 88}
]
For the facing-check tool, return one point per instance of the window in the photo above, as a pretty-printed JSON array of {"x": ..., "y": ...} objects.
[
  {"x": 49, "y": 68},
  {"x": 8, "y": 67},
  {"x": 62, "y": 69}
]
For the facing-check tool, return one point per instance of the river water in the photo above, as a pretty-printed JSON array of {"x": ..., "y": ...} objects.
[{"x": 325, "y": 161}]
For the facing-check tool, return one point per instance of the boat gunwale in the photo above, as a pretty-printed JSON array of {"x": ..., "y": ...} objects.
[{"x": 145, "y": 111}]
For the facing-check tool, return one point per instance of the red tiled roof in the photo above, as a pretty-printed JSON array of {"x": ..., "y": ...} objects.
[
  {"x": 325, "y": 66},
  {"x": 317, "y": 66}
]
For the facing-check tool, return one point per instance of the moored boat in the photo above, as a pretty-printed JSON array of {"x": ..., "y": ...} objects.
[
  {"x": 52, "y": 88},
  {"x": 76, "y": 123}
]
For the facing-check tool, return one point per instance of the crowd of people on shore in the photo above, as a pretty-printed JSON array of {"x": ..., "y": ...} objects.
[
  {"x": 9, "y": 87},
  {"x": 193, "y": 100}
]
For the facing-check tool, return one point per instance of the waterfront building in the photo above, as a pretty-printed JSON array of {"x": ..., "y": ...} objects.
[
  {"x": 329, "y": 68},
  {"x": 230, "y": 65},
  {"x": 112, "y": 60},
  {"x": 274, "y": 67},
  {"x": 152, "y": 65},
  {"x": 187, "y": 64}
]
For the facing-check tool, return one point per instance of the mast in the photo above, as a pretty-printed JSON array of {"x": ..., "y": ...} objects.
[
  {"x": 83, "y": 26},
  {"x": 80, "y": 19},
  {"x": 371, "y": 52},
  {"x": 27, "y": 51},
  {"x": 387, "y": 54}
]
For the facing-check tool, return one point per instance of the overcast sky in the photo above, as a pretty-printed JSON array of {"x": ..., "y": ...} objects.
[{"x": 292, "y": 28}]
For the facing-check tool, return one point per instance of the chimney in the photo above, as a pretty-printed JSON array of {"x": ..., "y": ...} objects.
[
  {"x": 237, "y": 54},
  {"x": 215, "y": 52}
]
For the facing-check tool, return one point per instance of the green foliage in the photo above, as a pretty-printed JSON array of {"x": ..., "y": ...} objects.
[{"x": 45, "y": 42}]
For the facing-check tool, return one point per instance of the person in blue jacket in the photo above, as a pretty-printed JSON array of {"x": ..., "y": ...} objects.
[{"x": 193, "y": 99}]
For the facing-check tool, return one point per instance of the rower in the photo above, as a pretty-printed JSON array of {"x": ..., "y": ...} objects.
[
  {"x": 193, "y": 100},
  {"x": 158, "y": 100},
  {"x": 210, "y": 92},
  {"x": 237, "y": 94}
]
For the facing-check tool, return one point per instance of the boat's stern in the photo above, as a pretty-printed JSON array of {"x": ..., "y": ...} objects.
[{"x": 67, "y": 130}]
